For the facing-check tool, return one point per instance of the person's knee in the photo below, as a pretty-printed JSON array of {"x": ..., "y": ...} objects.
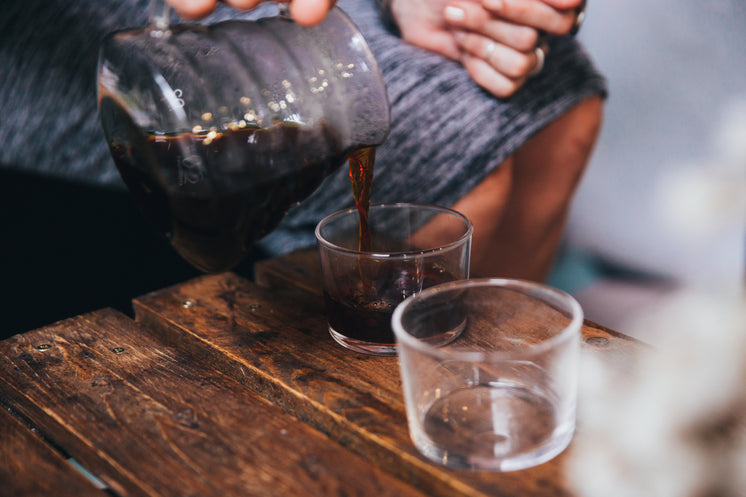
[
  {"x": 583, "y": 125},
  {"x": 552, "y": 163}
]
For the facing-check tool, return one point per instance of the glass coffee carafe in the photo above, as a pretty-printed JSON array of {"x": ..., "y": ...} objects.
[{"x": 218, "y": 130}]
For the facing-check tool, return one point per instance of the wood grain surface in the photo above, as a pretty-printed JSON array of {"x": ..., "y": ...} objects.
[
  {"x": 29, "y": 466},
  {"x": 302, "y": 269},
  {"x": 147, "y": 420},
  {"x": 226, "y": 387},
  {"x": 274, "y": 339}
]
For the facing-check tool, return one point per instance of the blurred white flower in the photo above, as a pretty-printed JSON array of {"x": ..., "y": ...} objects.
[
  {"x": 730, "y": 136},
  {"x": 673, "y": 422},
  {"x": 702, "y": 200},
  {"x": 702, "y": 205}
]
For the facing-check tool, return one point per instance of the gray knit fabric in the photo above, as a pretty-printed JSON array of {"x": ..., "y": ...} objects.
[{"x": 447, "y": 134}]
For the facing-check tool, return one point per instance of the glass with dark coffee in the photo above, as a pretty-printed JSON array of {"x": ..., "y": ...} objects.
[{"x": 413, "y": 247}]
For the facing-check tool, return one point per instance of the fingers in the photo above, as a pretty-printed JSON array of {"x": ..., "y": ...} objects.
[
  {"x": 502, "y": 58},
  {"x": 564, "y": 4},
  {"x": 192, "y": 9},
  {"x": 242, "y": 4},
  {"x": 473, "y": 17},
  {"x": 306, "y": 12},
  {"x": 499, "y": 55},
  {"x": 309, "y": 12},
  {"x": 485, "y": 76},
  {"x": 497, "y": 68},
  {"x": 539, "y": 14}
]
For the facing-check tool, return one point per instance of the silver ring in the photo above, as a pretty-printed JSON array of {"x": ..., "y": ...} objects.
[
  {"x": 489, "y": 49},
  {"x": 579, "y": 18},
  {"x": 540, "y": 56}
]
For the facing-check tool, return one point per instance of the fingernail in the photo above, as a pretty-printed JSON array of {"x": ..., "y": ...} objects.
[{"x": 454, "y": 14}]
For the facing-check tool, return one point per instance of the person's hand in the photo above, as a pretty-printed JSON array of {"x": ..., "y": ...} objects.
[
  {"x": 495, "y": 40},
  {"x": 306, "y": 12},
  {"x": 500, "y": 40}
]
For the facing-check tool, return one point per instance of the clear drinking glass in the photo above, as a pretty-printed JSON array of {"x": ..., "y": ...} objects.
[
  {"x": 489, "y": 371},
  {"x": 218, "y": 130},
  {"x": 414, "y": 246}
]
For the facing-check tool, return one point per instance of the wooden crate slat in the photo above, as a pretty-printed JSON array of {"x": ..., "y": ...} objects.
[
  {"x": 29, "y": 466},
  {"x": 269, "y": 339},
  {"x": 148, "y": 420},
  {"x": 302, "y": 269}
]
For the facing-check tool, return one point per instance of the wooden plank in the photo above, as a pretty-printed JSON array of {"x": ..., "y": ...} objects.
[
  {"x": 302, "y": 269},
  {"x": 29, "y": 466},
  {"x": 275, "y": 340},
  {"x": 148, "y": 420}
]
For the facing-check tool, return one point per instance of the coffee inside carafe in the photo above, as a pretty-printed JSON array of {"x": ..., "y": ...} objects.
[
  {"x": 219, "y": 130},
  {"x": 222, "y": 203}
]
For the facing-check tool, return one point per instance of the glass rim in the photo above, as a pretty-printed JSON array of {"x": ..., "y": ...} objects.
[
  {"x": 398, "y": 254},
  {"x": 401, "y": 334}
]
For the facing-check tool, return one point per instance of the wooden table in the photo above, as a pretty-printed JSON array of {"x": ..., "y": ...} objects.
[{"x": 224, "y": 387}]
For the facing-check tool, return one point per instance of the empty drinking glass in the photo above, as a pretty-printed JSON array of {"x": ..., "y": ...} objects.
[{"x": 489, "y": 370}]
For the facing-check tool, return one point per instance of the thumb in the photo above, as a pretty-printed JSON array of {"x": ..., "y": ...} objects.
[
  {"x": 310, "y": 12},
  {"x": 564, "y": 4}
]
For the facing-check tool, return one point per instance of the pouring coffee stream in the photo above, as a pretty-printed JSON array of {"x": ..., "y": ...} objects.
[
  {"x": 218, "y": 130},
  {"x": 361, "y": 176}
]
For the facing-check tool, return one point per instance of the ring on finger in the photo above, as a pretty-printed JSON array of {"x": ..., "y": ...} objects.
[
  {"x": 579, "y": 18},
  {"x": 540, "y": 56},
  {"x": 489, "y": 49}
]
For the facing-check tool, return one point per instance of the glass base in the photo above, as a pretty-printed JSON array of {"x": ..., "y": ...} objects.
[
  {"x": 371, "y": 348},
  {"x": 499, "y": 427}
]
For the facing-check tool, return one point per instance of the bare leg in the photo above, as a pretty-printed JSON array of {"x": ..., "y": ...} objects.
[{"x": 519, "y": 212}]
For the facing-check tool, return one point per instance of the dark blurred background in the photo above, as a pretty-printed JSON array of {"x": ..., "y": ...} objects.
[{"x": 69, "y": 248}]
